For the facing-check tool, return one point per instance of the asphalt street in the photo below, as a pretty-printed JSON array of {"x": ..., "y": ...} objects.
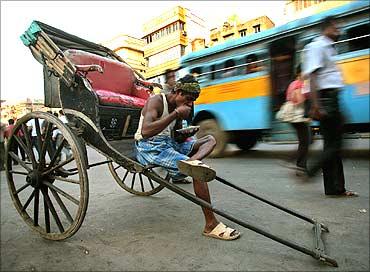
[{"x": 124, "y": 232}]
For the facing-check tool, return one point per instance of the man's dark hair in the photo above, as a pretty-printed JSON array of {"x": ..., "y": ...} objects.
[
  {"x": 188, "y": 79},
  {"x": 327, "y": 22},
  {"x": 11, "y": 121},
  {"x": 61, "y": 112}
]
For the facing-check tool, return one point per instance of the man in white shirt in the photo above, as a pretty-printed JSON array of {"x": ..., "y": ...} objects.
[
  {"x": 326, "y": 81},
  {"x": 32, "y": 126}
]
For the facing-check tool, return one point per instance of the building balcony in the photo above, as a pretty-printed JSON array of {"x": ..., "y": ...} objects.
[
  {"x": 160, "y": 69},
  {"x": 165, "y": 43}
]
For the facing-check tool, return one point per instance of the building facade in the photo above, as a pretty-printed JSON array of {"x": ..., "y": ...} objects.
[
  {"x": 130, "y": 49},
  {"x": 233, "y": 29},
  {"x": 295, "y": 9},
  {"x": 15, "y": 110},
  {"x": 167, "y": 38}
]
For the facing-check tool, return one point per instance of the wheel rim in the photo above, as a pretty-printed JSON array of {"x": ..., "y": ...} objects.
[
  {"x": 210, "y": 127},
  {"x": 135, "y": 183},
  {"x": 57, "y": 187}
]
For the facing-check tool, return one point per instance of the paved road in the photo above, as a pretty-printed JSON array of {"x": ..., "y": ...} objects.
[{"x": 163, "y": 233}]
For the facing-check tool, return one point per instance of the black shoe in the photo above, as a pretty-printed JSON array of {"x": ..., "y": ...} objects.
[{"x": 181, "y": 181}]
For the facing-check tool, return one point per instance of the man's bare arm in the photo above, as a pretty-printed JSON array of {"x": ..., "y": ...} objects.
[
  {"x": 152, "y": 124},
  {"x": 317, "y": 112}
]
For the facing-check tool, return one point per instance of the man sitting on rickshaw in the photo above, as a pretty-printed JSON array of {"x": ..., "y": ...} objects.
[{"x": 158, "y": 143}]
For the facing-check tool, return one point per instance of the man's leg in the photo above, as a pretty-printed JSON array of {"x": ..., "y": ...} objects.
[
  {"x": 21, "y": 150},
  {"x": 193, "y": 166},
  {"x": 330, "y": 161},
  {"x": 201, "y": 190},
  {"x": 2, "y": 156},
  {"x": 202, "y": 148}
]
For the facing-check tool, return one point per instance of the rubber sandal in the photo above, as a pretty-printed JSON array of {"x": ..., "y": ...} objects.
[
  {"x": 223, "y": 233},
  {"x": 196, "y": 169}
]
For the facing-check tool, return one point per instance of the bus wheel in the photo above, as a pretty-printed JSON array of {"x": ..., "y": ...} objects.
[
  {"x": 246, "y": 142},
  {"x": 211, "y": 127}
]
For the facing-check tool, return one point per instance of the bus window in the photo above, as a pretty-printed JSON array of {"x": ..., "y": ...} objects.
[
  {"x": 351, "y": 39},
  {"x": 252, "y": 64},
  {"x": 213, "y": 74},
  {"x": 196, "y": 71},
  {"x": 229, "y": 72},
  {"x": 355, "y": 32}
]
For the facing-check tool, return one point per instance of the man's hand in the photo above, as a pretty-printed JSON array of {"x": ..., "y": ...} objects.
[
  {"x": 183, "y": 111},
  {"x": 317, "y": 113},
  {"x": 158, "y": 85}
]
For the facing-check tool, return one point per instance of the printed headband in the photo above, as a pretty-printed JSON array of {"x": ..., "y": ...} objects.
[{"x": 192, "y": 88}]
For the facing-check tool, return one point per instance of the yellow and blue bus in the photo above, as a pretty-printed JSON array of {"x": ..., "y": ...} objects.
[{"x": 243, "y": 81}]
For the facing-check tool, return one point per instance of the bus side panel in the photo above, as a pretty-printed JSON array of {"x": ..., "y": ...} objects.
[
  {"x": 241, "y": 88},
  {"x": 243, "y": 114},
  {"x": 354, "y": 97},
  {"x": 355, "y": 106}
]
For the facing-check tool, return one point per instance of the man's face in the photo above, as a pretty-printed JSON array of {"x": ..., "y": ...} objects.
[
  {"x": 332, "y": 32},
  {"x": 171, "y": 78},
  {"x": 185, "y": 99}
]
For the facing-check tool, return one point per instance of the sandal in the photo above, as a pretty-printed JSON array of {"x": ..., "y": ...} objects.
[
  {"x": 349, "y": 193},
  {"x": 345, "y": 194},
  {"x": 223, "y": 233},
  {"x": 196, "y": 169}
]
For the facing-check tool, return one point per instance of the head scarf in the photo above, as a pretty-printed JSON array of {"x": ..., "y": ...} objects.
[{"x": 190, "y": 88}]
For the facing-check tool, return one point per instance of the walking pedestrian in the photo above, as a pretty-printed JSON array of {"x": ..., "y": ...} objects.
[
  {"x": 296, "y": 97},
  {"x": 2, "y": 146},
  {"x": 14, "y": 146},
  {"x": 325, "y": 83}
]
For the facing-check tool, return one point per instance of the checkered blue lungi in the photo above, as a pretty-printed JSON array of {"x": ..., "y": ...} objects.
[{"x": 163, "y": 151}]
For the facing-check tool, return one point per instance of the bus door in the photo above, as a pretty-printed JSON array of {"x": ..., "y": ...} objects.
[{"x": 282, "y": 73}]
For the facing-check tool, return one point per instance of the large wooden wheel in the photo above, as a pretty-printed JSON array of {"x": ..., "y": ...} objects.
[
  {"x": 54, "y": 180},
  {"x": 135, "y": 183}
]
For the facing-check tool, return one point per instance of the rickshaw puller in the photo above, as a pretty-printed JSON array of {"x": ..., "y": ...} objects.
[{"x": 158, "y": 143}]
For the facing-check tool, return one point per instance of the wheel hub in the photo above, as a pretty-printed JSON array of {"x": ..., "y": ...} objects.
[{"x": 35, "y": 179}]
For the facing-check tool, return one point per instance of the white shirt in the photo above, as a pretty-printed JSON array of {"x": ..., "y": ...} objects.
[
  {"x": 63, "y": 118},
  {"x": 167, "y": 131},
  {"x": 320, "y": 54},
  {"x": 31, "y": 123}
]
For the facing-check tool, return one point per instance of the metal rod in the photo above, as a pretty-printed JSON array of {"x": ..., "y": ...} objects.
[
  {"x": 266, "y": 201},
  {"x": 207, "y": 205},
  {"x": 91, "y": 165}
]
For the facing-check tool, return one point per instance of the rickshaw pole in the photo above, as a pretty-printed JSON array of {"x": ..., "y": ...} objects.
[
  {"x": 295, "y": 213},
  {"x": 317, "y": 254}
]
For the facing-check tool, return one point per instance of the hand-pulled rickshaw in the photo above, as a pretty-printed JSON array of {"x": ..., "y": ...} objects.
[{"x": 102, "y": 98}]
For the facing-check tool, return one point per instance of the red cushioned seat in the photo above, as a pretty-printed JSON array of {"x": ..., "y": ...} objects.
[
  {"x": 110, "y": 98},
  {"x": 118, "y": 83}
]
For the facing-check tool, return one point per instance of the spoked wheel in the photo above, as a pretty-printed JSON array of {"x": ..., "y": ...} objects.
[
  {"x": 135, "y": 183},
  {"x": 50, "y": 190}
]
